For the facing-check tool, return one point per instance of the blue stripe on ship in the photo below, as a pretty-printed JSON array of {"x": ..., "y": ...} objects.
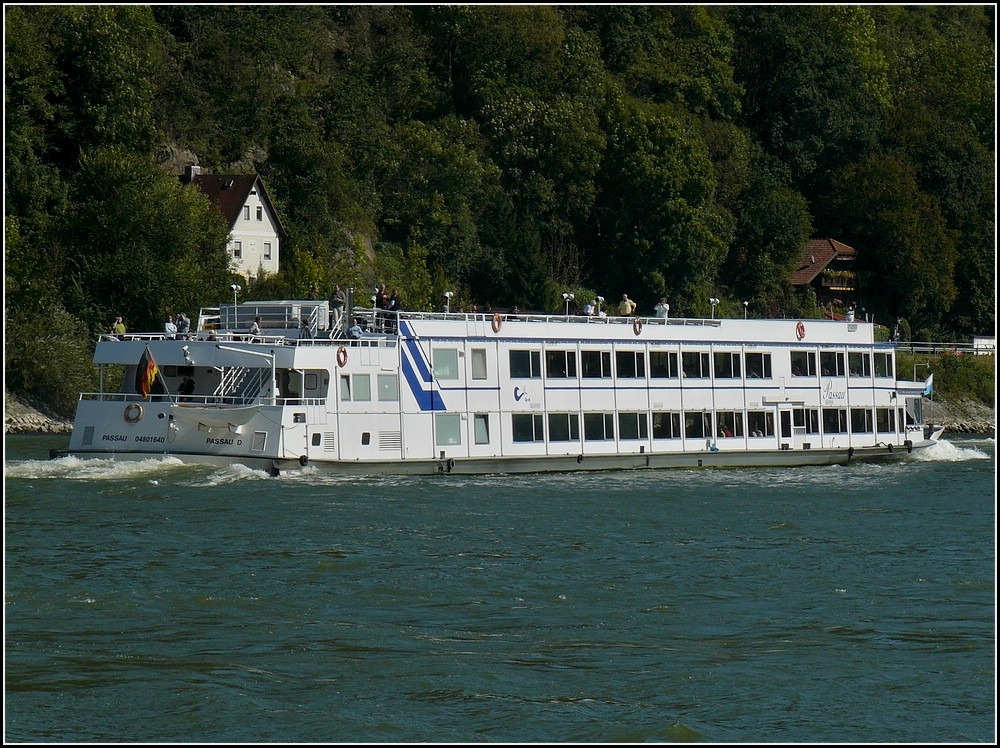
[{"x": 418, "y": 374}]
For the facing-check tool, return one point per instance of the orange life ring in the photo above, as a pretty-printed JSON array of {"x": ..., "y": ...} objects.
[
  {"x": 497, "y": 322},
  {"x": 637, "y": 325},
  {"x": 800, "y": 330},
  {"x": 341, "y": 357},
  {"x": 133, "y": 413}
]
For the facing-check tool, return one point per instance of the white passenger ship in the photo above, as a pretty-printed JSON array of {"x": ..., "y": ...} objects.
[{"x": 489, "y": 393}]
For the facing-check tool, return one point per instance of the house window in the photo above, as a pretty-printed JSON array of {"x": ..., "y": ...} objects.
[
  {"x": 267, "y": 250},
  {"x": 238, "y": 250},
  {"x": 564, "y": 427},
  {"x": 260, "y": 213},
  {"x": 246, "y": 212},
  {"x": 527, "y": 427}
]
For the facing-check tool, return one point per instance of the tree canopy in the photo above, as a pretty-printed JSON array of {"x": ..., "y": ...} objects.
[{"x": 507, "y": 153}]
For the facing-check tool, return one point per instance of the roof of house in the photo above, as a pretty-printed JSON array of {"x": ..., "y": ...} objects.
[
  {"x": 230, "y": 193},
  {"x": 816, "y": 257}
]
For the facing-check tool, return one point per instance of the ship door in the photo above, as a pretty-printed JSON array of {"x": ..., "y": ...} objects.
[{"x": 792, "y": 427}]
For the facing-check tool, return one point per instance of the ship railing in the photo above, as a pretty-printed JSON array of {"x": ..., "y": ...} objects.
[
  {"x": 512, "y": 316},
  {"x": 203, "y": 401}
]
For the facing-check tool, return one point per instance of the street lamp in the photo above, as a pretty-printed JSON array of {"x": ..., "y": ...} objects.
[
  {"x": 447, "y": 301},
  {"x": 568, "y": 297},
  {"x": 714, "y": 302}
]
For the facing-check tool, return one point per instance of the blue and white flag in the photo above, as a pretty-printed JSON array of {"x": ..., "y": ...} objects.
[{"x": 929, "y": 384}]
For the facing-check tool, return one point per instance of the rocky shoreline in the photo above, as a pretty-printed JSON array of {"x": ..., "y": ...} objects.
[{"x": 961, "y": 417}]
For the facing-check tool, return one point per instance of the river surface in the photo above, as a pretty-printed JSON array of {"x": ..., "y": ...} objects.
[{"x": 157, "y": 602}]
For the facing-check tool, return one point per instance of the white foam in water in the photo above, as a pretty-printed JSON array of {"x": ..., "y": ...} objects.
[
  {"x": 946, "y": 451},
  {"x": 73, "y": 468}
]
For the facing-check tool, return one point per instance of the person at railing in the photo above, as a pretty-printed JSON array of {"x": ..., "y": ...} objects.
[
  {"x": 169, "y": 328},
  {"x": 186, "y": 389},
  {"x": 354, "y": 332},
  {"x": 304, "y": 331},
  {"x": 254, "y": 329},
  {"x": 337, "y": 301}
]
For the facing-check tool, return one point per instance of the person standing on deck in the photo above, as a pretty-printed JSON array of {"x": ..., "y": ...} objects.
[{"x": 627, "y": 306}]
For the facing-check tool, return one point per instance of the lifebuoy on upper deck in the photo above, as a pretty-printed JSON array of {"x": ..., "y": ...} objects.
[
  {"x": 637, "y": 326},
  {"x": 800, "y": 330},
  {"x": 497, "y": 322},
  {"x": 341, "y": 357},
  {"x": 133, "y": 413}
]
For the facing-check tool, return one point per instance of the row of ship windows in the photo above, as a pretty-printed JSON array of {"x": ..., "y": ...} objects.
[
  {"x": 565, "y": 427},
  {"x": 629, "y": 364}
]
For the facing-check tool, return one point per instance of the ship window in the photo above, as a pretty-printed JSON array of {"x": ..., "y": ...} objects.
[
  {"x": 388, "y": 388},
  {"x": 598, "y": 426},
  {"x": 631, "y": 364},
  {"x": 831, "y": 363},
  {"x": 596, "y": 364},
  {"x": 481, "y": 424},
  {"x": 345, "y": 388},
  {"x": 317, "y": 439},
  {"x": 446, "y": 363},
  {"x": 883, "y": 365},
  {"x": 479, "y": 363},
  {"x": 803, "y": 363},
  {"x": 526, "y": 364},
  {"x": 806, "y": 418},
  {"x": 662, "y": 365},
  {"x": 447, "y": 429},
  {"x": 564, "y": 427},
  {"x": 560, "y": 364},
  {"x": 859, "y": 364},
  {"x": 362, "y": 388},
  {"x": 666, "y": 425},
  {"x": 834, "y": 421},
  {"x": 527, "y": 427},
  {"x": 861, "y": 421},
  {"x": 730, "y": 422},
  {"x": 366, "y": 438},
  {"x": 727, "y": 365},
  {"x": 885, "y": 419},
  {"x": 760, "y": 423},
  {"x": 758, "y": 365},
  {"x": 311, "y": 382},
  {"x": 696, "y": 425},
  {"x": 633, "y": 426},
  {"x": 695, "y": 364}
]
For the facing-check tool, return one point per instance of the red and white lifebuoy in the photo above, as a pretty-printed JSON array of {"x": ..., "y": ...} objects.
[
  {"x": 497, "y": 322},
  {"x": 341, "y": 357},
  {"x": 133, "y": 413},
  {"x": 800, "y": 330},
  {"x": 637, "y": 326}
]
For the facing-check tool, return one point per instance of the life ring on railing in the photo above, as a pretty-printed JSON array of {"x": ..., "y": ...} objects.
[
  {"x": 133, "y": 413},
  {"x": 637, "y": 325},
  {"x": 341, "y": 357},
  {"x": 497, "y": 322}
]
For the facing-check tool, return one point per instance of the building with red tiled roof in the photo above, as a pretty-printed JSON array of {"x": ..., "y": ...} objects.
[
  {"x": 827, "y": 266},
  {"x": 255, "y": 229}
]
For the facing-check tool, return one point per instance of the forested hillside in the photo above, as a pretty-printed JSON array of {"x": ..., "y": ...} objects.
[{"x": 506, "y": 153}]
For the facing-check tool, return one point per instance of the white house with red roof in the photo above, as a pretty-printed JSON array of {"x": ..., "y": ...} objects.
[{"x": 255, "y": 230}]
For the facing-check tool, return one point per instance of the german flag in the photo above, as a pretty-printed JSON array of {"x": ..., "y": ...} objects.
[{"x": 145, "y": 374}]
